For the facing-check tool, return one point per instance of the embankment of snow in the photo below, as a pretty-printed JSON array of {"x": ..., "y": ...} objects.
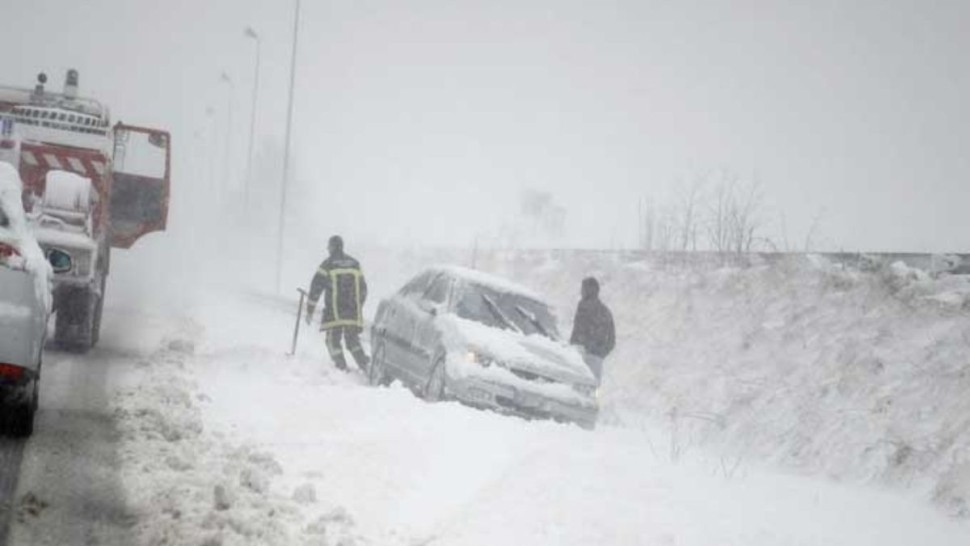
[
  {"x": 856, "y": 375},
  {"x": 189, "y": 485},
  {"x": 227, "y": 441}
]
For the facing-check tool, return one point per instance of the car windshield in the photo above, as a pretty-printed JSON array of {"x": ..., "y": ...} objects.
[{"x": 506, "y": 311}]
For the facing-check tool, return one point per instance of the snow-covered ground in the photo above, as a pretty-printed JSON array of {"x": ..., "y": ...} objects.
[
  {"x": 859, "y": 376},
  {"x": 191, "y": 426}
]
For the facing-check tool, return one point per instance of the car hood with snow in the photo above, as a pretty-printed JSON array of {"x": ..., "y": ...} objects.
[{"x": 524, "y": 354}]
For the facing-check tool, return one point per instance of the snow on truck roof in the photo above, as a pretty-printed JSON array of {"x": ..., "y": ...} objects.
[
  {"x": 499, "y": 284},
  {"x": 29, "y": 98}
]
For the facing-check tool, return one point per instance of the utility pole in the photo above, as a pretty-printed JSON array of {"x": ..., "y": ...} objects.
[
  {"x": 286, "y": 152},
  {"x": 250, "y": 33},
  {"x": 226, "y": 164}
]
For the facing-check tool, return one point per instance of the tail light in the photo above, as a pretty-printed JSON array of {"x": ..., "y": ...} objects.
[
  {"x": 11, "y": 372},
  {"x": 7, "y": 251}
]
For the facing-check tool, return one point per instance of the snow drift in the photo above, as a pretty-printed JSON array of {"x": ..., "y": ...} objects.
[{"x": 856, "y": 375}]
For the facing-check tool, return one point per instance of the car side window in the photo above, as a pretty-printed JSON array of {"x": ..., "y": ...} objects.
[
  {"x": 417, "y": 286},
  {"x": 438, "y": 291}
]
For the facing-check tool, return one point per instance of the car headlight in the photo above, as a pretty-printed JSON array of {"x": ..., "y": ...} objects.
[
  {"x": 587, "y": 390},
  {"x": 477, "y": 357}
]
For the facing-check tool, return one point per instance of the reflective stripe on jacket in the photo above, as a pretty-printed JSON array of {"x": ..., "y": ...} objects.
[{"x": 340, "y": 282}]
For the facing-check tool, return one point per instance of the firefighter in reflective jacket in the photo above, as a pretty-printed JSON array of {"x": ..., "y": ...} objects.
[{"x": 341, "y": 283}]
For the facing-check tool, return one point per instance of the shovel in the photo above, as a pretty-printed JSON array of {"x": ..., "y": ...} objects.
[{"x": 299, "y": 317}]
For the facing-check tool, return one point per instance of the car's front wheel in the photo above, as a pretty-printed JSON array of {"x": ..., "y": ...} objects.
[
  {"x": 377, "y": 371},
  {"x": 434, "y": 391}
]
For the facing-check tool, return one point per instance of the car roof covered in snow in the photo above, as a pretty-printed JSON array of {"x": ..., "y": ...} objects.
[{"x": 499, "y": 284}]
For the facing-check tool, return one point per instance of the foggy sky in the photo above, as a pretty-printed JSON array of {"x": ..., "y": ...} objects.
[{"x": 424, "y": 121}]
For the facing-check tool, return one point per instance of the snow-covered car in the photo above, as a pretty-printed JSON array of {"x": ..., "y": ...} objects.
[
  {"x": 456, "y": 333},
  {"x": 25, "y": 304}
]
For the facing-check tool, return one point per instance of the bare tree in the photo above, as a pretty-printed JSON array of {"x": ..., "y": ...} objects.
[
  {"x": 723, "y": 214},
  {"x": 666, "y": 229},
  {"x": 734, "y": 215},
  {"x": 688, "y": 214},
  {"x": 813, "y": 231},
  {"x": 744, "y": 218},
  {"x": 720, "y": 212}
]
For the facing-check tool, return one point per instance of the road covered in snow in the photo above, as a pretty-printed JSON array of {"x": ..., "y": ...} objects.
[{"x": 189, "y": 425}]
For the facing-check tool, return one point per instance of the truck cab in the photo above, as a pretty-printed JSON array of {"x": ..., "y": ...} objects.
[{"x": 89, "y": 186}]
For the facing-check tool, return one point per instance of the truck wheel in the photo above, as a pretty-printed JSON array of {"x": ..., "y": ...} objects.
[
  {"x": 96, "y": 325},
  {"x": 74, "y": 328}
]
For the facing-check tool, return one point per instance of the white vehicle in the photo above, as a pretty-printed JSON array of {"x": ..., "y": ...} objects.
[
  {"x": 25, "y": 304},
  {"x": 461, "y": 334}
]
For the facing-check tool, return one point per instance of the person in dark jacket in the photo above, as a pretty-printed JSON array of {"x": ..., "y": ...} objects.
[
  {"x": 593, "y": 327},
  {"x": 340, "y": 281}
]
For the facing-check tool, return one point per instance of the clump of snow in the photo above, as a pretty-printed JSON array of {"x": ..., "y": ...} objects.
[
  {"x": 190, "y": 484},
  {"x": 305, "y": 494}
]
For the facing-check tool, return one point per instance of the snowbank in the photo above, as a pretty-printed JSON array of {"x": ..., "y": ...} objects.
[
  {"x": 226, "y": 441},
  {"x": 854, "y": 370},
  {"x": 223, "y": 440},
  {"x": 856, "y": 375}
]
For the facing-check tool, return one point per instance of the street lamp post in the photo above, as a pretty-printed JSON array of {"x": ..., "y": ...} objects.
[
  {"x": 286, "y": 151},
  {"x": 250, "y": 33},
  {"x": 211, "y": 136},
  {"x": 227, "y": 167}
]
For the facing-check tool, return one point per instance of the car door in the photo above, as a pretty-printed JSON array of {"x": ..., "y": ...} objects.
[
  {"x": 426, "y": 335},
  {"x": 397, "y": 327}
]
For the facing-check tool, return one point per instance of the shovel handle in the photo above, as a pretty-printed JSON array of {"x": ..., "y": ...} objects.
[{"x": 299, "y": 317}]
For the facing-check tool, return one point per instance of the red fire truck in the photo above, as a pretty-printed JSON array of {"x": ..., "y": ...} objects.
[{"x": 89, "y": 186}]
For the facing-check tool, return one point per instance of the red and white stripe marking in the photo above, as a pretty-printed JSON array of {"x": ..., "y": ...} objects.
[{"x": 80, "y": 165}]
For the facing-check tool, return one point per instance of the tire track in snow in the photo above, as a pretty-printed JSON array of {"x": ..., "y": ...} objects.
[
  {"x": 11, "y": 454},
  {"x": 68, "y": 476}
]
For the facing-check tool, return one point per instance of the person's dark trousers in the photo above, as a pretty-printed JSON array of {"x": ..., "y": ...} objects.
[{"x": 351, "y": 335}]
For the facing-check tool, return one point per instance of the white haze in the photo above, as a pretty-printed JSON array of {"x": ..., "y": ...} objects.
[{"x": 424, "y": 122}]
